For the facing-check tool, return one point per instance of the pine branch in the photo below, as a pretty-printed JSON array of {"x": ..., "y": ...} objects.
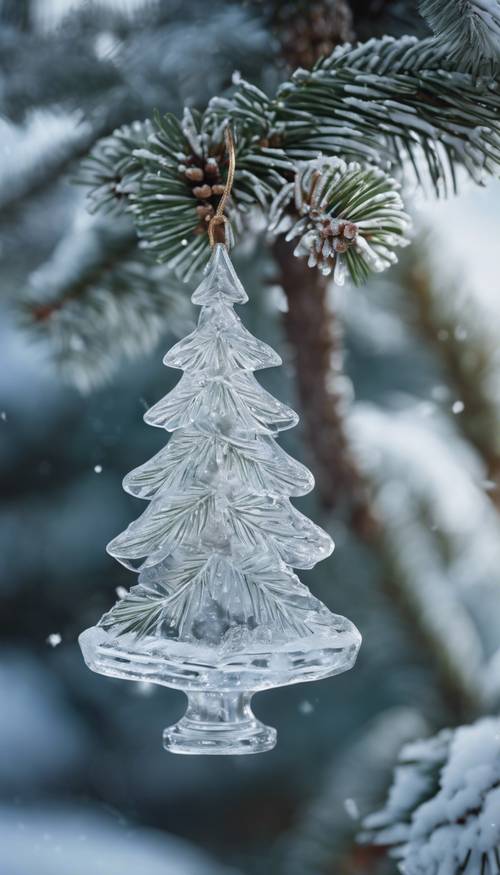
[
  {"x": 434, "y": 544},
  {"x": 464, "y": 342},
  {"x": 185, "y": 166},
  {"x": 397, "y": 100},
  {"x": 347, "y": 219},
  {"x": 438, "y": 815},
  {"x": 99, "y": 298},
  {"x": 384, "y": 101},
  {"x": 468, "y": 30},
  {"x": 111, "y": 172},
  {"x": 38, "y": 152}
]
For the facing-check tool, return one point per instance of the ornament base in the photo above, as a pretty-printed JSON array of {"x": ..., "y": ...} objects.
[
  {"x": 219, "y": 723},
  {"x": 220, "y": 683}
]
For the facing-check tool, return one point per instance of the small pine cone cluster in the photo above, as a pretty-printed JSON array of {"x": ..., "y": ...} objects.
[
  {"x": 205, "y": 180},
  {"x": 347, "y": 218},
  {"x": 334, "y": 237}
]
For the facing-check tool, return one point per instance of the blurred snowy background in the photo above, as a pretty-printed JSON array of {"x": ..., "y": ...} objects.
[{"x": 85, "y": 786}]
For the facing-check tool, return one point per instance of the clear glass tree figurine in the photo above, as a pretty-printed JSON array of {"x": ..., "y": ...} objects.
[{"x": 218, "y": 611}]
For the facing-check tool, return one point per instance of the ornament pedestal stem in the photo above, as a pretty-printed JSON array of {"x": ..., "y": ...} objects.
[{"x": 219, "y": 723}]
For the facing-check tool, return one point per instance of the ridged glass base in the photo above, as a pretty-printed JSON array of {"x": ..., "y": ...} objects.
[
  {"x": 220, "y": 683},
  {"x": 219, "y": 723}
]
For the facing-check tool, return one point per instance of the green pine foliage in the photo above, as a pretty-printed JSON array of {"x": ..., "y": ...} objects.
[
  {"x": 468, "y": 30},
  {"x": 398, "y": 107},
  {"x": 396, "y": 104}
]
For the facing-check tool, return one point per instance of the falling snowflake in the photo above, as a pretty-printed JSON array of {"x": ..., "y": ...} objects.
[{"x": 54, "y": 639}]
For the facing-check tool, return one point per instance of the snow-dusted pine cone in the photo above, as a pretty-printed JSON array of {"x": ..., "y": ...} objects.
[
  {"x": 346, "y": 217},
  {"x": 442, "y": 816}
]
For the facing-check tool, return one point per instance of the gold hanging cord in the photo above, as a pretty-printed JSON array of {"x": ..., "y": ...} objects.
[{"x": 219, "y": 218}]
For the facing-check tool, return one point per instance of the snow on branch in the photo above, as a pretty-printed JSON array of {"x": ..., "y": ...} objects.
[
  {"x": 185, "y": 167},
  {"x": 394, "y": 100},
  {"x": 442, "y": 537},
  {"x": 347, "y": 218},
  {"x": 463, "y": 330},
  {"x": 111, "y": 172},
  {"x": 468, "y": 30},
  {"x": 391, "y": 104},
  {"x": 99, "y": 299},
  {"x": 441, "y": 815},
  {"x": 40, "y": 148}
]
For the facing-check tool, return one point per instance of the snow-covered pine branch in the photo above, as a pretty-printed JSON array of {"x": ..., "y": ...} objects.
[
  {"x": 110, "y": 172},
  {"x": 185, "y": 166},
  {"x": 443, "y": 546},
  {"x": 397, "y": 101},
  {"x": 384, "y": 102},
  {"x": 347, "y": 218},
  {"x": 441, "y": 815},
  {"x": 39, "y": 149},
  {"x": 467, "y": 30},
  {"x": 463, "y": 330},
  {"x": 99, "y": 298}
]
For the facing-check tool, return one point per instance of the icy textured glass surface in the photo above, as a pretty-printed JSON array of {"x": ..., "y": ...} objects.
[{"x": 218, "y": 611}]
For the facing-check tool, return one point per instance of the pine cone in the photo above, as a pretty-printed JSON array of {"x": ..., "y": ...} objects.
[
  {"x": 334, "y": 237},
  {"x": 346, "y": 217},
  {"x": 309, "y": 31},
  {"x": 204, "y": 177}
]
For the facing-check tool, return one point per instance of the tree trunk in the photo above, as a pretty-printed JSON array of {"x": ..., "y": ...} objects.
[{"x": 315, "y": 337}]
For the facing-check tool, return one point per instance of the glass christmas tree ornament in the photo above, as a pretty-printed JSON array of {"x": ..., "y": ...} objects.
[{"x": 218, "y": 611}]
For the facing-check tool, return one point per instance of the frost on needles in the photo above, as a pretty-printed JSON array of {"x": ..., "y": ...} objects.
[{"x": 217, "y": 607}]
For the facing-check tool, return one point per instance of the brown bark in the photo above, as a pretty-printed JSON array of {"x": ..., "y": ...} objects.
[
  {"x": 309, "y": 31},
  {"x": 315, "y": 337}
]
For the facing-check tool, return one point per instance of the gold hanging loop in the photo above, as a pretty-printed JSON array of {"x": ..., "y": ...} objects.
[{"x": 219, "y": 218}]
